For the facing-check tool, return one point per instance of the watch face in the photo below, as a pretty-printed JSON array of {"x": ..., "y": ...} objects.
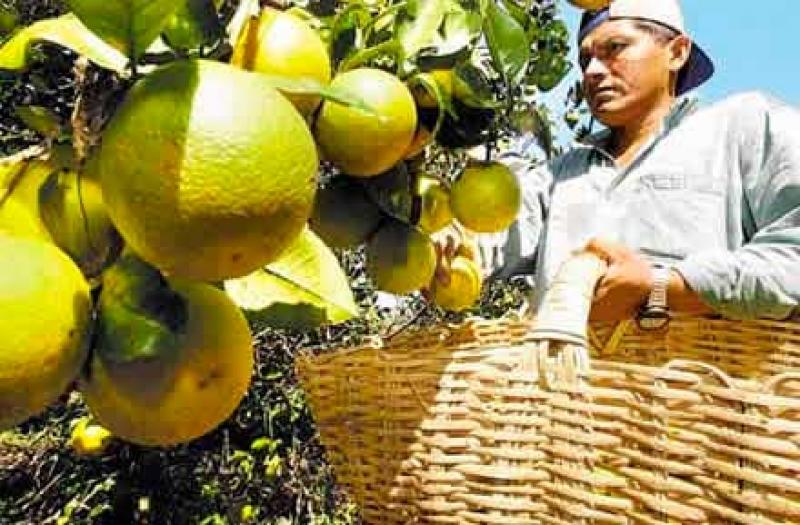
[{"x": 655, "y": 319}]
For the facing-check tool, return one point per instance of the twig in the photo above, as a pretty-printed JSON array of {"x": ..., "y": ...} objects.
[
  {"x": 405, "y": 326},
  {"x": 78, "y": 119}
]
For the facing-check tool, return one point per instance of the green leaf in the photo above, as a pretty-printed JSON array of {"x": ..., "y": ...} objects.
[
  {"x": 392, "y": 48},
  {"x": 507, "y": 42},
  {"x": 454, "y": 41},
  {"x": 193, "y": 25},
  {"x": 9, "y": 18},
  {"x": 418, "y": 26},
  {"x": 304, "y": 288},
  {"x": 535, "y": 120},
  {"x": 311, "y": 86},
  {"x": 66, "y": 31},
  {"x": 427, "y": 82},
  {"x": 519, "y": 13},
  {"x": 461, "y": 27},
  {"x": 346, "y": 30},
  {"x": 25, "y": 164},
  {"x": 471, "y": 87},
  {"x": 128, "y": 25},
  {"x": 141, "y": 317},
  {"x": 139, "y": 325},
  {"x": 40, "y": 119},
  {"x": 393, "y": 191}
]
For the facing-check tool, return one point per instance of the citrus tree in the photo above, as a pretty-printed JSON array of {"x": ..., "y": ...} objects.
[{"x": 205, "y": 167}]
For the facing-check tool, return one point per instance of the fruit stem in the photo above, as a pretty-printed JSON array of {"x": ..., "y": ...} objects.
[{"x": 390, "y": 47}]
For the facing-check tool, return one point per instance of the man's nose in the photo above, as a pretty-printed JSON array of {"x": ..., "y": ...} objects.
[{"x": 595, "y": 67}]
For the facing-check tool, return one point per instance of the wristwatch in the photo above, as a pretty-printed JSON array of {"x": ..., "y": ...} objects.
[{"x": 654, "y": 315}]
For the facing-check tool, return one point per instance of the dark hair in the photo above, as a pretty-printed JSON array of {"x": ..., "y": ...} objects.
[{"x": 660, "y": 33}]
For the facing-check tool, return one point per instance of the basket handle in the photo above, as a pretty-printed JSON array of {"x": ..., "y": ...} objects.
[{"x": 564, "y": 313}]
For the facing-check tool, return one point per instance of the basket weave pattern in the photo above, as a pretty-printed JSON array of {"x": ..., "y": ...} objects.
[{"x": 485, "y": 423}]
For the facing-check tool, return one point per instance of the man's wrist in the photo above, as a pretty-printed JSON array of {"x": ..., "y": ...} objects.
[
  {"x": 682, "y": 298},
  {"x": 654, "y": 313}
]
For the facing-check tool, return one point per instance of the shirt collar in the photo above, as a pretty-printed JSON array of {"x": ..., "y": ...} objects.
[{"x": 681, "y": 108}]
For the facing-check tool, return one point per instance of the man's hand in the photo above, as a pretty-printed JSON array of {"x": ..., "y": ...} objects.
[
  {"x": 626, "y": 284},
  {"x": 450, "y": 242}
]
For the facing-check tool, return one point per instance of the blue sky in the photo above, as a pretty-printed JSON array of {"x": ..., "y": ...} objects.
[{"x": 753, "y": 44}]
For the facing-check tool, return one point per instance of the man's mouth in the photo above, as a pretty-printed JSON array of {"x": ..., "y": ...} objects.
[
  {"x": 600, "y": 94},
  {"x": 602, "y": 91}
]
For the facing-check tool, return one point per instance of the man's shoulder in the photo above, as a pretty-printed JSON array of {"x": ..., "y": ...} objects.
[
  {"x": 742, "y": 106},
  {"x": 525, "y": 155}
]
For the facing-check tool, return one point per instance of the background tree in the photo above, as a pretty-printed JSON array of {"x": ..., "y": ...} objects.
[{"x": 476, "y": 70}]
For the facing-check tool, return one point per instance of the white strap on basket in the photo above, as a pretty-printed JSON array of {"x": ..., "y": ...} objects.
[
  {"x": 564, "y": 313},
  {"x": 559, "y": 329}
]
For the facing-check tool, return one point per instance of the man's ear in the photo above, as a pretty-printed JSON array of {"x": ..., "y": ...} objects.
[{"x": 679, "y": 49}]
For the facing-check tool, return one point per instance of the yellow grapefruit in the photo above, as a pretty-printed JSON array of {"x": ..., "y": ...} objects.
[
  {"x": 207, "y": 171},
  {"x": 211, "y": 375},
  {"x": 45, "y": 310},
  {"x": 16, "y": 219},
  {"x": 436, "y": 212},
  {"x": 344, "y": 215},
  {"x": 71, "y": 206},
  {"x": 278, "y": 43},
  {"x": 89, "y": 439},
  {"x": 590, "y": 5},
  {"x": 400, "y": 258},
  {"x": 19, "y": 211},
  {"x": 486, "y": 197},
  {"x": 361, "y": 143},
  {"x": 463, "y": 288}
]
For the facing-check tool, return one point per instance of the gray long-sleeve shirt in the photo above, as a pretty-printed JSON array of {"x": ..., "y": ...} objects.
[{"x": 716, "y": 195}]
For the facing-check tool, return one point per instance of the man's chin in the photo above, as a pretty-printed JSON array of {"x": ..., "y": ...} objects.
[{"x": 610, "y": 114}]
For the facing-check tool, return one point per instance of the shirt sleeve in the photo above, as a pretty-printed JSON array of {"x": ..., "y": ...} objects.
[
  {"x": 513, "y": 252},
  {"x": 762, "y": 278}
]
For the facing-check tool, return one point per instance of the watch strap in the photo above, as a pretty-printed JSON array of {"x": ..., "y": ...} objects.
[{"x": 658, "y": 293}]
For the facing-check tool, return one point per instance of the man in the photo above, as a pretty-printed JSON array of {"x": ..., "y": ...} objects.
[{"x": 698, "y": 206}]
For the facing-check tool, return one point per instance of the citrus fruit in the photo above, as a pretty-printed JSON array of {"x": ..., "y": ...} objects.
[
  {"x": 486, "y": 197},
  {"x": 71, "y": 206},
  {"x": 590, "y": 4},
  {"x": 463, "y": 288},
  {"x": 436, "y": 212},
  {"x": 444, "y": 81},
  {"x": 392, "y": 191},
  {"x": 207, "y": 171},
  {"x": 471, "y": 127},
  {"x": 281, "y": 44},
  {"x": 19, "y": 211},
  {"x": 210, "y": 374},
  {"x": 400, "y": 258},
  {"x": 365, "y": 143},
  {"x": 45, "y": 310},
  {"x": 18, "y": 220},
  {"x": 89, "y": 439},
  {"x": 344, "y": 215},
  {"x": 422, "y": 138}
]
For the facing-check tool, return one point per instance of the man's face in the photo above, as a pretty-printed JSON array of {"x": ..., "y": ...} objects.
[{"x": 625, "y": 71}]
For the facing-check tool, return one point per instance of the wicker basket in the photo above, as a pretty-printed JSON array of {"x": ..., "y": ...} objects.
[{"x": 499, "y": 422}]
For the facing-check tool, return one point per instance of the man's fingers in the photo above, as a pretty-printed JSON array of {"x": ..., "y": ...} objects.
[
  {"x": 442, "y": 275},
  {"x": 450, "y": 248},
  {"x": 466, "y": 249},
  {"x": 605, "y": 249}
]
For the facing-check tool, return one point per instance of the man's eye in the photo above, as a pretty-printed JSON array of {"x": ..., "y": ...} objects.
[{"x": 616, "y": 47}]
